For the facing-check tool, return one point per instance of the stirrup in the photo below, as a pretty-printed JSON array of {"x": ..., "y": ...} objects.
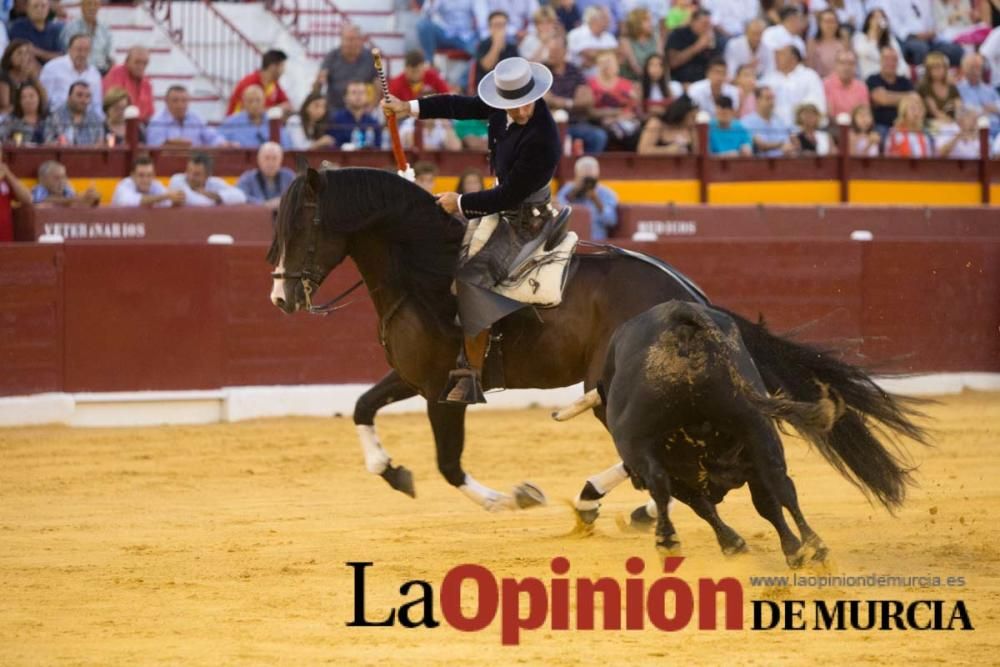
[{"x": 463, "y": 387}]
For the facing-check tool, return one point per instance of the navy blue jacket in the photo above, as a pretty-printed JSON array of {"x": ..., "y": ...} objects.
[{"x": 523, "y": 157}]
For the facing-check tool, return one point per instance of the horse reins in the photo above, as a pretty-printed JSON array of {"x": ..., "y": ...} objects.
[{"x": 311, "y": 277}]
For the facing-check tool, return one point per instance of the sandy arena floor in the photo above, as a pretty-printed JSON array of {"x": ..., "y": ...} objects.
[{"x": 226, "y": 544}]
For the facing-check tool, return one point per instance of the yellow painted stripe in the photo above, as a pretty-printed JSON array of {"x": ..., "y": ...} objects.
[
  {"x": 655, "y": 192},
  {"x": 915, "y": 192},
  {"x": 774, "y": 192}
]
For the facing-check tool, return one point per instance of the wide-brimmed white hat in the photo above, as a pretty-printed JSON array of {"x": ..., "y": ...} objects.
[{"x": 514, "y": 82}]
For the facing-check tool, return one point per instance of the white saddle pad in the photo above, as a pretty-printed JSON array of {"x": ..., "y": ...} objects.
[{"x": 540, "y": 279}]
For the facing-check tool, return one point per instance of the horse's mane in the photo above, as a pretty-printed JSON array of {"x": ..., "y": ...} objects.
[{"x": 423, "y": 240}]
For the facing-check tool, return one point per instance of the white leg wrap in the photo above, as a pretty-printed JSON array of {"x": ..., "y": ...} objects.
[
  {"x": 651, "y": 507},
  {"x": 489, "y": 499},
  {"x": 603, "y": 482},
  {"x": 376, "y": 458}
]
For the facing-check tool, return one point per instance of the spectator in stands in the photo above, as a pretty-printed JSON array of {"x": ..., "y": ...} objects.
[
  {"x": 704, "y": 93},
  {"x": 771, "y": 135},
  {"x": 689, "y": 49},
  {"x": 823, "y": 48},
  {"x": 849, "y": 13},
  {"x": 811, "y": 139},
  {"x": 793, "y": 84},
  {"x": 307, "y": 130},
  {"x": 176, "y": 126},
  {"x": 730, "y": 18},
  {"x": 673, "y": 133},
  {"x": 116, "y": 101},
  {"x": 272, "y": 66},
  {"x": 53, "y": 189},
  {"x": 37, "y": 28},
  {"x": 958, "y": 140},
  {"x": 586, "y": 191},
  {"x": 142, "y": 188},
  {"x": 590, "y": 39},
  {"x": 451, "y": 24},
  {"x": 786, "y": 33},
  {"x": 570, "y": 92},
  {"x": 354, "y": 124},
  {"x": 417, "y": 79},
  {"x": 990, "y": 48},
  {"x": 656, "y": 90},
  {"x": 940, "y": 96},
  {"x": 470, "y": 181},
  {"x": 748, "y": 49},
  {"x": 265, "y": 184},
  {"x": 18, "y": 67},
  {"x": 494, "y": 48},
  {"x": 679, "y": 15},
  {"x": 26, "y": 124},
  {"x": 615, "y": 11},
  {"x": 912, "y": 21},
  {"x": 519, "y": 17},
  {"x": 534, "y": 46},
  {"x": 11, "y": 190},
  {"x": 100, "y": 35},
  {"x": 726, "y": 136},
  {"x": 75, "y": 123},
  {"x": 132, "y": 77},
  {"x": 472, "y": 133},
  {"x": 864, "y": 141},
  {"x": 907, "y": 137},
  {"x": 886, "y": 90},
  {"x": 349, "y": 62},
  {"x": 59, "y": 73},
  {"x": 569, "y": 14},
  {"x": 843, "y": 90},
  {"x": 616, "y": 105},
  {"x": 867, "y": 44},
  {"x": 436, "y": 134},
  {"x": 976, "y": 94},
  {"x": 955, "y": 22},
  {"x": 249, "y": 128},
  {"x": 424, "y": 174},
  {"x": 640, "y": 40},
  {"x": 746, "y": 82},
  {"x": 200, "y": 188}
]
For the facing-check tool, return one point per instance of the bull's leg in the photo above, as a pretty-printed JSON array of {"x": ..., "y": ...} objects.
[
  {"x": 729, "y": 539},
  {"x": 448, "y": 423},
  {"x": 389, "y": 389},
  {"x": 643, "y": 457}
]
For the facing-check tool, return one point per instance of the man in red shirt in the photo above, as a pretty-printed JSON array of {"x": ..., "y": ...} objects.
[
  {"x": 131, "y": 75},
  {"x": 844, "y": 91},
  {"x": 11, "y": 189},
  {"x": 417, "y": 80},
  {"x": 272, "y": 66}
]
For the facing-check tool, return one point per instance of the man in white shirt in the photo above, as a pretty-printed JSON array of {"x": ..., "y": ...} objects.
[
  {"x": 748, "y": 49},
  {"x": 200, "y": 188},
  {"x": 731, "y": 17},
  {"x": 704, "y": 93},
  {"x": 62, "y": 72},
  {"x": 142, "y": 188},
  {"x": 590, "y": 38},
  {"x": 793, "y": 84},
  {"x": 913, "y": 24},
  {"x": 788, "y": 32}
]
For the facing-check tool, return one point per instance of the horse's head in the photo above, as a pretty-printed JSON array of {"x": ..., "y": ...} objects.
[{"x": 304, "y": 251}]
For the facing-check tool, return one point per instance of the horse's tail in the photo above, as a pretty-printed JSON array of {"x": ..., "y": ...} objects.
[{"x": 863, "y": 411}]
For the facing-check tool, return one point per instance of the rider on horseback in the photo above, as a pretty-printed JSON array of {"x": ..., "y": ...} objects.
[{"x": 524, "y": 150}]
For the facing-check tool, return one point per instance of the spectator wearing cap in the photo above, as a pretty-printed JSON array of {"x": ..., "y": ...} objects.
[
  {"x": 585, "y": 190},
  {"x": 914, "y": 25},
  {"x": 200, "y": 188},
  {"x": 590, "y": 39},
  {"x": 53, "y": 189},
  {"x": 748, "y": 49},
  {"x": 43, "y": 33},
  {"x": 176, "y": 126},
  {"x": 350, "y": 62},
  {"x": 417, "y": 79},
  {"x": 726, "y": 136},
  {"x": 772, "y": 136},
  {"x": 59, "y": 73},
  {"x": 131, "y": 75},
  {"x": 887, "y": 89},
  {"x": 249, "y": 128},
  {"x": 494, "y": 48},
  {"x": 142, "y": 188},
  {"x": 690, "y": 48},
  {"x": 75, "y": 123},
  {"x": 704, "y": 93},
  {"x": 571, "y": 93},
  {"x": 100, "y": 35},
  {"x": 844, "y": 91},
  {"x": 977, "y": 95},
  {"x": 793, "y": 84},
  {"x": 272, "y": 66},
  {"x": 786, "y": 33},
  {"x": 265, "y": 184}
]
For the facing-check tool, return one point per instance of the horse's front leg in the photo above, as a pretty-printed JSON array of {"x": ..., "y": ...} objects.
[
  {"x": 448, "y": 423},
  {"x": 389, "y": 389}
]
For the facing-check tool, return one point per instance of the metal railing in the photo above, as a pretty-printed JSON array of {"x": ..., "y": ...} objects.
[{"x": 316, "y": 24}]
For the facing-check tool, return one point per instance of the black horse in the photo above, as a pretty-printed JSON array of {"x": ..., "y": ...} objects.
[{"x": 406, "y": 250}]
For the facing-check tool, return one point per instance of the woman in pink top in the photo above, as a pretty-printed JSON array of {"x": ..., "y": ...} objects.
[
  {"x": 822, "y": 50},
  {"x": 746, "y": 81},
  {"x": 616, "y": 103}
]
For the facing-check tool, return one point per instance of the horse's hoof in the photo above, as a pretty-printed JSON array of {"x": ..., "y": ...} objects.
[
  {"x": 587, "y": 517},
  {"x": 736, "y": 547},
  {"x": 528, "y": 495},
  {"x": 796, "y": 560},
  {"x": 669, "y": 546},
  {"x": 640, "y": 519},
  {"x": 401, "y": 479}
]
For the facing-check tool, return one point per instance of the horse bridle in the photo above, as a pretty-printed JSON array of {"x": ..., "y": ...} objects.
[{"x": 311, "y": 276}]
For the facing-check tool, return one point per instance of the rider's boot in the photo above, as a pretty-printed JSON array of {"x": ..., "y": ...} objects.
[{"x": 464, "y": 383}]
